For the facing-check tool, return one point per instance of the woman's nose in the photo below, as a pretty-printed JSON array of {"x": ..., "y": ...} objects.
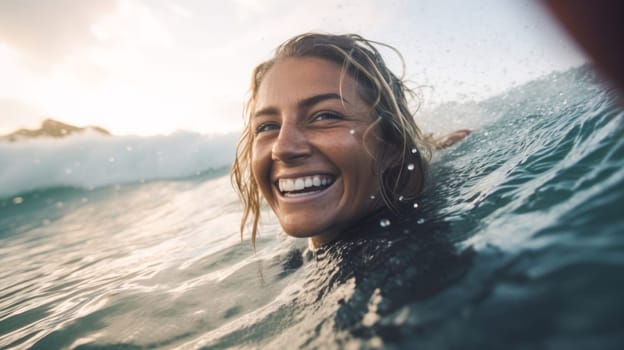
[{"x": 291, "y": 144}]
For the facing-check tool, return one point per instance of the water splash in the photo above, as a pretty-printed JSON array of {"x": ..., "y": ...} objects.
[{"x": 384, "y": 222}]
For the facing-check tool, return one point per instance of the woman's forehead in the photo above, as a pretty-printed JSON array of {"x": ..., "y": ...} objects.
[
  {"x": 297, "y": 77},
  {"x": 308, "y": 68}
]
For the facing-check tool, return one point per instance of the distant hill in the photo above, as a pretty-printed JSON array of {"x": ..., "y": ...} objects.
[{"x": 50, "y": 128}]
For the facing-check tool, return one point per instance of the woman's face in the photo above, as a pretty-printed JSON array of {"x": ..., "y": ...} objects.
[{"x": 308, "y": 155}]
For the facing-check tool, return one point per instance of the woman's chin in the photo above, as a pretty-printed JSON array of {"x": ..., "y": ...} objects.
[
  {"x": 318, "y": 234},
  {"x": 299, "y": 231}
]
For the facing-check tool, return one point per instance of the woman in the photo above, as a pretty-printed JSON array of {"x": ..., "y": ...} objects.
[{"x": 329, "y": 138}]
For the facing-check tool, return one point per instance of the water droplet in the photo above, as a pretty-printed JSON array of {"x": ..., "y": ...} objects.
[
  {"x": 414, "y": 150},
  {"x": 84, "y": 199},
  {"x": 68, "y": 171},
  {"x": 129, "y": 148},
  {"x": 59, "y": 204},
  {"x": 410, "y": 167},
  {"x": 415, "y": 205},
  {"x": 18, "y": 200},
  {"x": 46, "y": 222},
  {"x": 111, "y": 159},
  {"x": 401, "y": 198},
  {"x": 420, "y": 221},
  {"x": 376, "y": 343},
  {"x": 352, "y": 132},
  {"x": 384, "y": 222},
  {"x": 372, "y": 196}
]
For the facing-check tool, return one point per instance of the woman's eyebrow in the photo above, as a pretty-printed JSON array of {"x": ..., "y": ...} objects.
[
  {"x": 305, "y": 103},
  {"x": 266, "y": 111},
  {"x": 311, "y": 101}
]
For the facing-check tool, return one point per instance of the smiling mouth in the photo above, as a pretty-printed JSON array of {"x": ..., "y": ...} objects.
[{"x": 305, "y": 185}]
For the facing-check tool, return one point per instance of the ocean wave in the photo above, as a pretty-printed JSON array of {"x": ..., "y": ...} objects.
[
  {"x": 90, "y": 160},
  {"x": 548, "y": 95}
]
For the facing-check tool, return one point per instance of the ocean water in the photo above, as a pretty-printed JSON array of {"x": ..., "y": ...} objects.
[{"x": 133, "y": 243}]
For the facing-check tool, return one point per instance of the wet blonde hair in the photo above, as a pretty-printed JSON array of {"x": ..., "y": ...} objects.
[{"x": 403, "y": 158}]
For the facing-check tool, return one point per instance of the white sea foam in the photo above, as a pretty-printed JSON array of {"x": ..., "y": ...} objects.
[{"x": 90, "y": 160}]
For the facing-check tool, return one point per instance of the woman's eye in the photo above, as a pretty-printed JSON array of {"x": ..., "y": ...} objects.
[
  {"x": 327, "y": 115},
  {"x": 266, "y": 127}
]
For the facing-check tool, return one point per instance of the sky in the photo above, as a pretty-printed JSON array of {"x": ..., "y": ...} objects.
[{"x": 147, "y": 67}]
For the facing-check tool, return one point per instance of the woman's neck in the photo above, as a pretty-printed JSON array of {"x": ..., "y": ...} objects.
[{"x": 365, "y": 221}]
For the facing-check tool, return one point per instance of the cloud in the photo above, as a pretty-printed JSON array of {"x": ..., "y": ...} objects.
[
  {"x": 44, "y": 32},
  {"x": 187, "y": 63},
  {"x": 179, "y": 10},
  {"x": 134, "y": 24},
  {"x": 15, "y": 114},
  {"x": 82, "y": 38}
]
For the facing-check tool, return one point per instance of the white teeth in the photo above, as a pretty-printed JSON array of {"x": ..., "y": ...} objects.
[
  {"x": 298, "y": 184},
  {"x": 316, "y": 181}
]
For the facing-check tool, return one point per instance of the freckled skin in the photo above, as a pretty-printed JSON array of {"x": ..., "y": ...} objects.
[{"x": 302, "y": 122}]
